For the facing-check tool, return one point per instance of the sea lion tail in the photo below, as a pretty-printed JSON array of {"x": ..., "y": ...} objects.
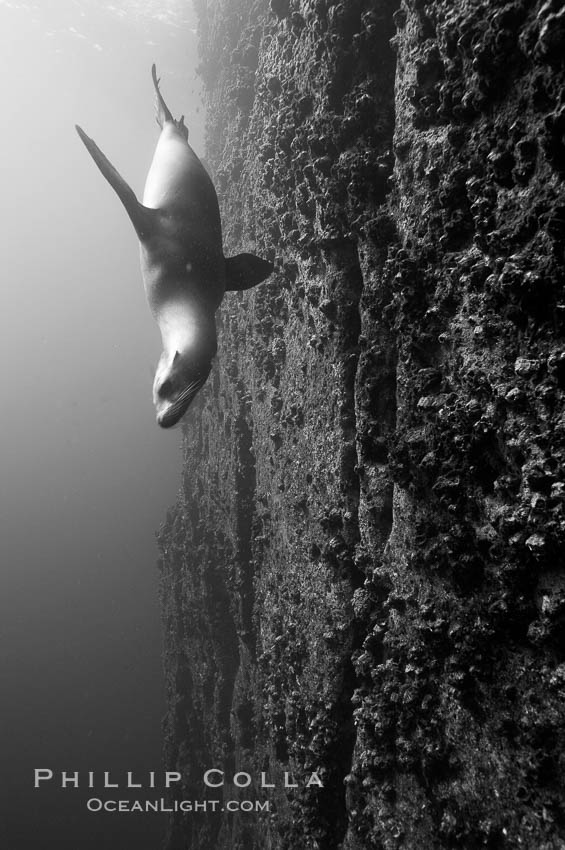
[{"x": 163, "y": 112}]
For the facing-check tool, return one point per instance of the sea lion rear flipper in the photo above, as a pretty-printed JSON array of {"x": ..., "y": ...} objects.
[
  {"x": 141, "y": 217},
  {"x": 245, "y": 271},
  {"x": 163, "y": 111}
]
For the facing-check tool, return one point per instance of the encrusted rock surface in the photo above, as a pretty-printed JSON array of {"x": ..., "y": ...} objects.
[{"x": 363, "y": 575}]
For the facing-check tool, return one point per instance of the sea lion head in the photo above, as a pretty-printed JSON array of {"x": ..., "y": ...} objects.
[{"x": 177, "y": 381}]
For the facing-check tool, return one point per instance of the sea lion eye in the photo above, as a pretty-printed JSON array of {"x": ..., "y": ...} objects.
[{"x": 166, "y": 388}]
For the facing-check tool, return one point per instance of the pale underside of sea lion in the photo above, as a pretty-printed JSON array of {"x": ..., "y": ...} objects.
[{"x": 183, "y": 266}]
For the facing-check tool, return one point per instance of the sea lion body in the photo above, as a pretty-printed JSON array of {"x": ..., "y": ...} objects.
[
  {"x": 185, "y": 251},
  {"x": 185, "y": 273}
]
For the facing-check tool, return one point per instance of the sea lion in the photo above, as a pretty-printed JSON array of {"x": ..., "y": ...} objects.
[{"x": 183, "y": 266}]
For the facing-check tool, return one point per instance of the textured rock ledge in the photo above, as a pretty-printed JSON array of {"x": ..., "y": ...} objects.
[{"x": 363, "y": 574}]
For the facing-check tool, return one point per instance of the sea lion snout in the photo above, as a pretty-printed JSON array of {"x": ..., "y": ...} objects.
[
  {"x": 169, "y": 413},
  {"x": 172, "y": 415},
  {"x": 176, "y": 387}
]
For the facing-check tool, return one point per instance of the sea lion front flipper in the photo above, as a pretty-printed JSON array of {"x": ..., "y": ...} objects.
[
  {"x": 245, "y": 271},
  {"x": 141, "y": 217}
]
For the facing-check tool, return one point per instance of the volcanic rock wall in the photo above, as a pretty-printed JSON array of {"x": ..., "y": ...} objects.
[{"x": 363, "y": 575}]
